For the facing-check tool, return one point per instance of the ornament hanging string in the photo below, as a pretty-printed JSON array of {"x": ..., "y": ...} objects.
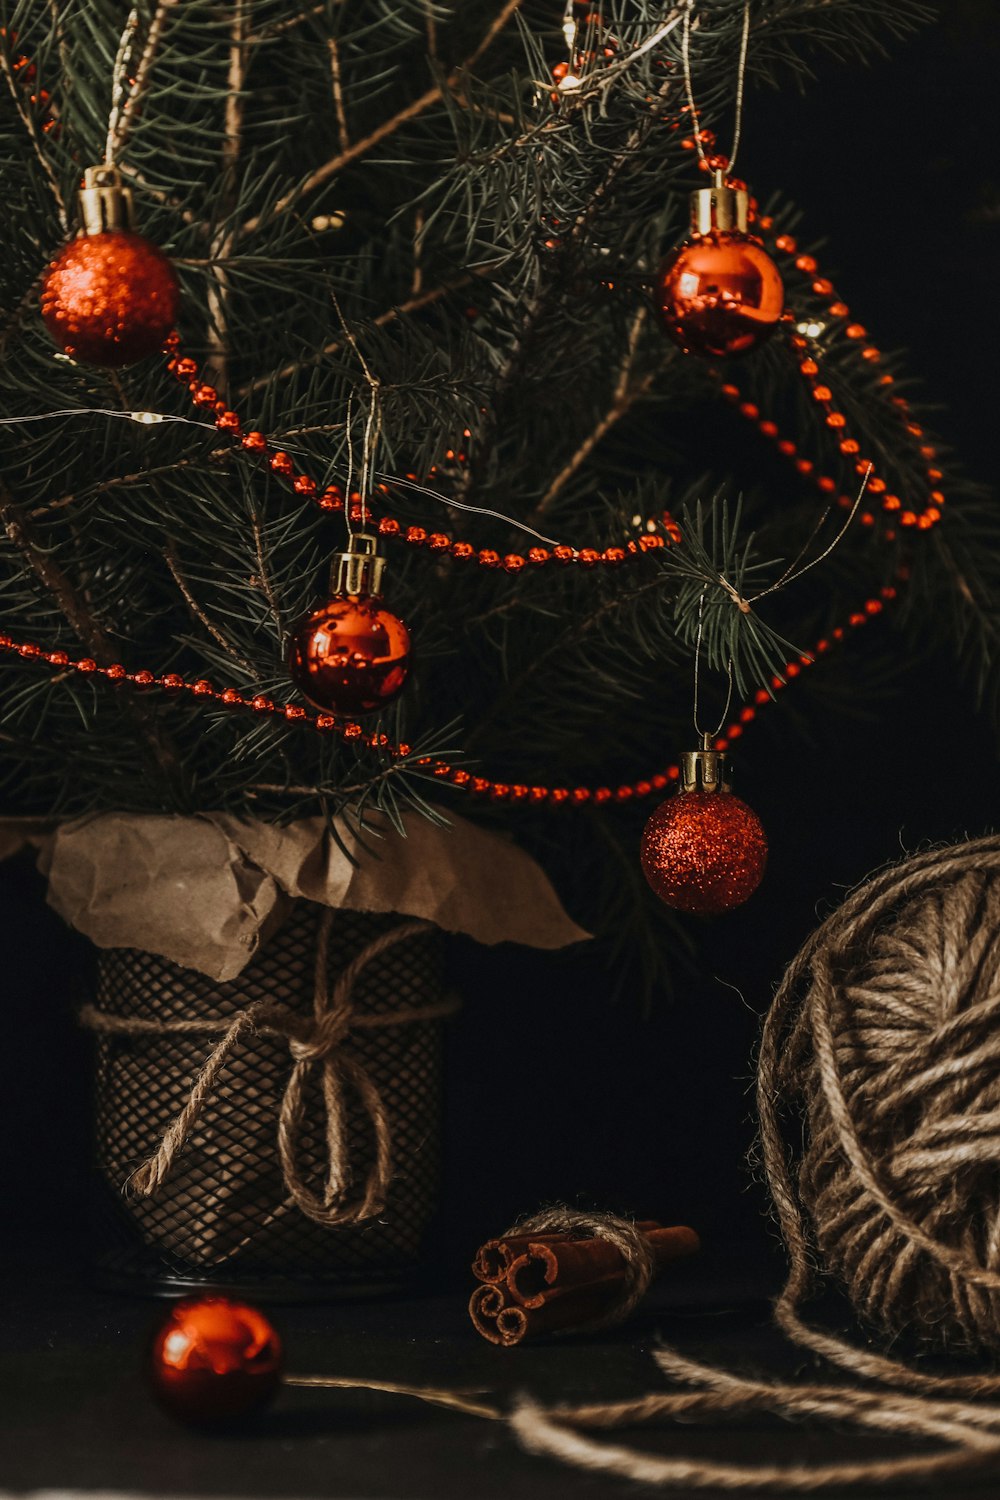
[
  {"x": 740, "y": 83},
  {"x": 703, "y": 735}
]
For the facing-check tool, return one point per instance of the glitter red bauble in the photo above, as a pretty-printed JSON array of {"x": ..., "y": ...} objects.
[
  {"x": 214, "y": 1361},
  {"x": 703, "y": 851},
  {"x": 350, "y": 656},
  {"x": 719, "y": 294},
  {"x": 110, "y": 299}
]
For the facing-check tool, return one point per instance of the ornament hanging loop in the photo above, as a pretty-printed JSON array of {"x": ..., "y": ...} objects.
[
  {"x": 105, "y": 202},
  {"x": 705, "y": 770},
  {"x": 740, "y": 86},
  {"x": 720, "y": 208},
  {"x": 357, "y": 573}
]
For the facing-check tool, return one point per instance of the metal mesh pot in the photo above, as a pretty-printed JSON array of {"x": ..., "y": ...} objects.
[{"x": 222, "y": 1216}]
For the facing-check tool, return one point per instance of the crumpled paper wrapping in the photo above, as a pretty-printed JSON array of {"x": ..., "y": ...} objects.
[{"x": 206, "y": 891}]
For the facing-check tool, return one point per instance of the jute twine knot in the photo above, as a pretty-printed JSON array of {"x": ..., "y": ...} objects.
[
  {"x": 633, "y": 1247},
  {"x": 316, "y": 1041}
]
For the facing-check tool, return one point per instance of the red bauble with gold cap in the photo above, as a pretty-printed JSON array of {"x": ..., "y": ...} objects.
[
  {"x": 703, "y": 850},
  {"x": 111, "y": 297},
  {"x": 719, "y": 294},
  {"x": 214, "y": 1361},
  {"x": 351, "y": 655}
]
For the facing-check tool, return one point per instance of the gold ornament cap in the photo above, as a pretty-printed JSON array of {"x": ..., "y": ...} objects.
[
  {"x": 105, "y": 202},
  {"x": 358, "y": 571},
  {"x": 705, "y": 770},
  {"x": 720, "y": 208}
]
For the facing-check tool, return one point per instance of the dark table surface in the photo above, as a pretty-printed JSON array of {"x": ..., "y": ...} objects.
[{"x": 75, "y": 1415}]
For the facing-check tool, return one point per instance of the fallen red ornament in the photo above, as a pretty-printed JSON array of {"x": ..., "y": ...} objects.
[
  {"x": 214, "y": 1361},
  {"x": 111, "y": 297},
  {"x": 351, "y": 655},
  {"x": 703, "y": 850},
  {"x": 719, "y": 294}
]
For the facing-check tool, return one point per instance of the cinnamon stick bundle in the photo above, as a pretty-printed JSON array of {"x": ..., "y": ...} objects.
[{"x": 535, "y": 1284}]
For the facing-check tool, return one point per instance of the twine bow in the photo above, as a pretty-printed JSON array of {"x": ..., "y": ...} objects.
[{"x": 315, "y": 1041}]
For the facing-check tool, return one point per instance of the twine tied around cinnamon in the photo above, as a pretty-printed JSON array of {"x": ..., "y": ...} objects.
[
  {"x": 631, "y": 1244},
  {"x": 314, "y": 1041}
]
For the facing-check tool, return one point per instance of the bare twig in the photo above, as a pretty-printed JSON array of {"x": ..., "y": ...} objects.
[
  {"x": 625, "y": 397},
  {"x": 31, "y": 126},
  {"x": 154, "y": 36},
  {"x": 263, "y": 578},
  {"x": 413, "y": 304},
  {"x": 343, "y": 134},
  {"x": 170, "y": 557},
  {"x": 388, "y": 127},
  {"x": 217, "y": 363}
]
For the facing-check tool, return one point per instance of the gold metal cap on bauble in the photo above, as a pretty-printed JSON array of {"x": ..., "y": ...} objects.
[
  {"x": 705, "y": 770},
  {"x": 105, "y": 202},
  {"x": 358, "y": 571},
  {"x": 720, "y": 208}
]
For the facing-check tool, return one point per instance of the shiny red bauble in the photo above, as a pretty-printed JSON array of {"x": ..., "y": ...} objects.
[
  {"x": 703, "y": 851},
  {"x": 214, "y": 1361},
  {"x": 350, "y": 656},
  {"x": 719, "y": 294},
  {"x": 110, "y": 299}
]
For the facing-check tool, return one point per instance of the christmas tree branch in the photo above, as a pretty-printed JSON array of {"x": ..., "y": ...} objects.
[
  {"x": 625, "y": 396},
  {"x": 31, "y": 127},
  {"x": 170, "y": 558},
  {"x": 143, "y": 72},
  {"x": 21, "y": 532},
  {"x": 336, "y": 84},
  {"x": 411, "y": 305},
  {"x": 388, "y": 127},
  {"x": 217, "y": 362}
]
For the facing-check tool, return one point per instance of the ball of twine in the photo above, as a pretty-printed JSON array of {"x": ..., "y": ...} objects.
[{"x": 884, "y": 1038}]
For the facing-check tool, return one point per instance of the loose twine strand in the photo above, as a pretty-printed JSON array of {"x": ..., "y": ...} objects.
[
  {"x": 316, "y": 1041},
  {"x": 884, "y": 1038}
]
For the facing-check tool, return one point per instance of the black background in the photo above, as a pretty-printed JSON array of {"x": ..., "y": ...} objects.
[{"x": 554, "y": 1091}]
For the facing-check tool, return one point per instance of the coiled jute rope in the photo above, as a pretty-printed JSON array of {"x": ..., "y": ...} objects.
[
  {"x": 878, "y": 1095},
  {"x": 316, "y": 1041}
]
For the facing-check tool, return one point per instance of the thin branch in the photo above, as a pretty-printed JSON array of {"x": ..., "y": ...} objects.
[
  {"x": 217, "y": 362},
  {"x": 431, "y": 27},
  {"x": 413, "y": 304},
  {"x": 30, "y": 125},
  {"x": 170, "y": 557},
  {"x": 623, "y": 400},
  {"x": 263, "y": 579},
  {"x": 153, "y": 39},
  {"x": 388, "y": 127},
  {"x": 41, "y": 562},
  {"x": 343, "y": 134}
]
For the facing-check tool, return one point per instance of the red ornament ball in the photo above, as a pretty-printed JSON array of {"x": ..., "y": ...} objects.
[
  {"x": 350, "y": 656},
  {"x": 214, "y": 1361},
  {"x": 703, "y": 851},
  {"x": 110, "y": 299},
  {"x": 719, "y": 294}
]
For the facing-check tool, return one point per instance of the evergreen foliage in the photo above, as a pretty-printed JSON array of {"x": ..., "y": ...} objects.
[{"x": 400, "y": 169}]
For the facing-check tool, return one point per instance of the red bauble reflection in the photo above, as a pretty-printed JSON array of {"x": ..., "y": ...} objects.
[
  {"x": 350, "y": 656},
  {"x": 719, "y": 294},
  {"x": 214, "y": 1361},
  {"x": 703, "y": 851},
  {"x": 110, "y": 299}
]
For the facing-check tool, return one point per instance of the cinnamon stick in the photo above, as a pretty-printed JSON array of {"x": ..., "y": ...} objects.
[{"x": 550, "y": 1283}]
